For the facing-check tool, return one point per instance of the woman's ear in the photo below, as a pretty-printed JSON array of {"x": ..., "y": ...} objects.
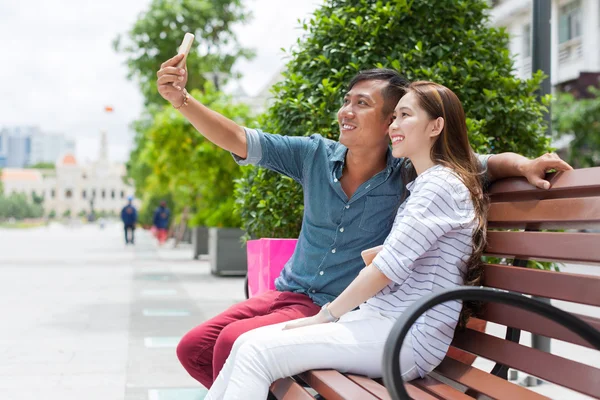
[{"x": 437, "y": 126}]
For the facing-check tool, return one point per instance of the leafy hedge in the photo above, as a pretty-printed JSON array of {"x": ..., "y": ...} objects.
[{"x": 446, "y": 41}]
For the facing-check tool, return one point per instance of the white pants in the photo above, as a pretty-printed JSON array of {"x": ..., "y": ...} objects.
[{"x": 354, "y": 345}]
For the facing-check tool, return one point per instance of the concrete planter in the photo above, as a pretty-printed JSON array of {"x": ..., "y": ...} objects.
[
  {"x": 226, "y": 252},
  {"x": 200, "y": 241}
]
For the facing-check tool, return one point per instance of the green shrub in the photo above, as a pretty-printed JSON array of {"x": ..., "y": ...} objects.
[{"x": 446, "y": 41}]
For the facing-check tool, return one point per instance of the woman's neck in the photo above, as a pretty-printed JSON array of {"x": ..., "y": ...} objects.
[{"x": 422, "y": 162}]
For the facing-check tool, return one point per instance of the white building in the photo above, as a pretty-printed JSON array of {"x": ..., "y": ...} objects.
[
  {"x": 72, "y": 186},
  {"x": 575, "y": 40}
]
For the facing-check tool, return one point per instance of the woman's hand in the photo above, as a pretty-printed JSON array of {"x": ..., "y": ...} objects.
[
  {"x": 171, "y": 80},
  {"x": 320, "y": 318}
]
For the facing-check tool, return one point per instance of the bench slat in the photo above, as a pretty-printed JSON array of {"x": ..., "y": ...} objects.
[
  {"x": 334, "y": 386},
  {"x": 552, "y": 246},
  {"x": 556, "y": 285},
  {"x": 371, "y": 386},
  {"x": 534, "y": 323},
  {"x": 562, "y": 371},
  {"x": 484, "y": 383},
  {"x": 441, "y": 389},
  {"x": 546, "y": 214},
  {"x": 417, "y": 393},
  {"x": 289, "y": 389},
  {"x": 576, "y": 183}
]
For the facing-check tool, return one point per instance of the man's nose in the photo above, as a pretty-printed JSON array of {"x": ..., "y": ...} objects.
[{"x": 347, "y": 111}]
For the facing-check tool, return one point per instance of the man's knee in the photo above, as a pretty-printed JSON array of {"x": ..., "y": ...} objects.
[{"x": 195, "y": 349}]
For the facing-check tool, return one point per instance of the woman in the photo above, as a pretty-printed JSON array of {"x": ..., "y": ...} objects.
[{"x": 436, "y": 242}]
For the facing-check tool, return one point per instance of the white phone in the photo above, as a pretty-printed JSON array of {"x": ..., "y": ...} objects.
[{"x": 185, "y": 47}]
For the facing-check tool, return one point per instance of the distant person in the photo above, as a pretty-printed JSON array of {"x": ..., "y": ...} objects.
[
  {"x": 160, "y": 222},
  {"x": 129, "y": 218}
]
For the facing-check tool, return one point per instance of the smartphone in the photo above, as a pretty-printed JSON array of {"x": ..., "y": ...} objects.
[{"x": 185, "y": 47}]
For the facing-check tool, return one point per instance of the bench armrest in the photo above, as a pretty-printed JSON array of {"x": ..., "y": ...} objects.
[{"x": 392, "y": 376}]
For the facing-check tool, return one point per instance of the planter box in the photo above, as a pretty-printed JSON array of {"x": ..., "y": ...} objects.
[
  {"x": 200, "y": 241},
  {"x": 266, "y": 259},
  {"x": 226, "y": 251}
]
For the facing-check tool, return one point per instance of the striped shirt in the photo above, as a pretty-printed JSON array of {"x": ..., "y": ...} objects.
[{"x": 427, "y": 250}]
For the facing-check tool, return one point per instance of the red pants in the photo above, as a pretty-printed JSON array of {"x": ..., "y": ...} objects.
[
  {"x": 204, "y": 350},
  {"x": 161, "y": 235}
]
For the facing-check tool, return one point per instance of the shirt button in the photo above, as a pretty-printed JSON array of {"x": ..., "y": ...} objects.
[
  {"x": 333, "y": 251},
  {"x": 341, "y": 229},
  {"x": 347, "y": 205},
  {"x": 335, "y": 180},
  {"x": 321, "y": 273}
]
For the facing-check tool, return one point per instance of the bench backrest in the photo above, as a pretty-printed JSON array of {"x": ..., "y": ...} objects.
[{"x": 571, "y": 210}]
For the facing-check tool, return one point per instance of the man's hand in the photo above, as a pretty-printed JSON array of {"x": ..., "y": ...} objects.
[
  {"x": 535, "y": 170},
  {"x": 171, "y": 80},
  {"x": 320, "y": 318}
]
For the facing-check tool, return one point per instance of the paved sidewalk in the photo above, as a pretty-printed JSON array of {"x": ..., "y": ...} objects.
[{"x": 85, "y": 317}]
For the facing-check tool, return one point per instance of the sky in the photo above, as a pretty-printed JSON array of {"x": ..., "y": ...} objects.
[{"x": 59, "y": 69}]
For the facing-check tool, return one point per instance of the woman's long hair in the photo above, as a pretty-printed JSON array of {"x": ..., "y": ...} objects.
[{"x": 452, "y": 149}]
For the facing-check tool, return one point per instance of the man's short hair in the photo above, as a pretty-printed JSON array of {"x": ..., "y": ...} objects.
[{"x": 392, "y": 93}]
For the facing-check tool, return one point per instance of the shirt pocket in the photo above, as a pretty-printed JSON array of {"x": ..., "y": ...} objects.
[{"x": 379, "y": 212}]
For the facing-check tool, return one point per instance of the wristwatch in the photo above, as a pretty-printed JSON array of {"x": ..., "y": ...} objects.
[{"x": 328, "y": 314}]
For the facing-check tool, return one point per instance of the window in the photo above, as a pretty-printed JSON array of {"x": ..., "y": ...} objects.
[
  {"x": 93, "y": 193},
  {"x": 103, "y": 195},
  {"x": 68, "y": 193},
  {"x": 83, "y": 194},
  {"x": 52, "y": 193},
  {"x": 526, "y": 40},
  {"x": 112, "y": 194},
  {"x": 122, "y": 194},
  {"x": 569, "y": 22}
]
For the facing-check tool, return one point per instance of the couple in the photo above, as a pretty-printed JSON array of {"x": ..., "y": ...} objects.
[{"x": 352, "y": 191}]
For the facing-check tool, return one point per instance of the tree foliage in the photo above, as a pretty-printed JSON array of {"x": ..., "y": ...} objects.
[
  {"x": 18, "y": 206},
  {"x": 446, "y": 41},
  {"x": 580, "y": 119},
  {"x": 158, "y": 32},
  {"x": 190, "y": 169}
]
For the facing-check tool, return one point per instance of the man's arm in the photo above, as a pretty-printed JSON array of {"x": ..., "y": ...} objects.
[{"x": 506, "y": 165}]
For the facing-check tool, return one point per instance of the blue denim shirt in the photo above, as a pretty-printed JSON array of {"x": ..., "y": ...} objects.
[{"x": 335, "y": 228}]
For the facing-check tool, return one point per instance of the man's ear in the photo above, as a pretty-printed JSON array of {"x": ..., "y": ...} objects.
[{"x": 437, "y": 126}]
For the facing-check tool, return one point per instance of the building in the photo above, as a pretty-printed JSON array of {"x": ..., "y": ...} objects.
[
  {"x": 72, "y": 187},
  {"x": 575, "y": 28},
  {"x": 47, "y": 148},
  {"x": 27, "y": 145}
]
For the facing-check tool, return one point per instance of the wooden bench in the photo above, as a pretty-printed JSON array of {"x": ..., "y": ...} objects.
[{"x": 573, "y": 206}]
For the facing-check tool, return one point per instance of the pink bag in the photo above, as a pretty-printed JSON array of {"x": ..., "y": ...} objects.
[{"x": 266, "y": 259}]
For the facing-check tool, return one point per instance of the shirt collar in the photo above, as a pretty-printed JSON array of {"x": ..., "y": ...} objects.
[
  {"x": 339, "y": 155},
  {"x": 436, "y": 167}
]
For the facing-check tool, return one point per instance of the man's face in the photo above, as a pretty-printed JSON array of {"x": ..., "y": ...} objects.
[{"x": 361, "y": 120}]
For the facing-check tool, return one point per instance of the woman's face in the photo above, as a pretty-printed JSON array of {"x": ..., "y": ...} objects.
[{"x": 411, "y": 129}]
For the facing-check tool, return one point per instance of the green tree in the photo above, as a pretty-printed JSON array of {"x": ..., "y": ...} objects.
[
  {"x": 18, "y": 206},
  {"x": 446, "y": 41},
  {"x": 153, "y": 39},
  {"x": 192, "y": 170},
  {"x": 43, "y": 165},
  {"x": 579, "y": 118},
  {"x": 158, "y": 32}
]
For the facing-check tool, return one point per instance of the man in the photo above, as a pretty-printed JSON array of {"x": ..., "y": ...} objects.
[
  {"x": 160, "y": 221},
  {"x": 129, "y": 218},
  {"x": 352, "y": 189}
]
